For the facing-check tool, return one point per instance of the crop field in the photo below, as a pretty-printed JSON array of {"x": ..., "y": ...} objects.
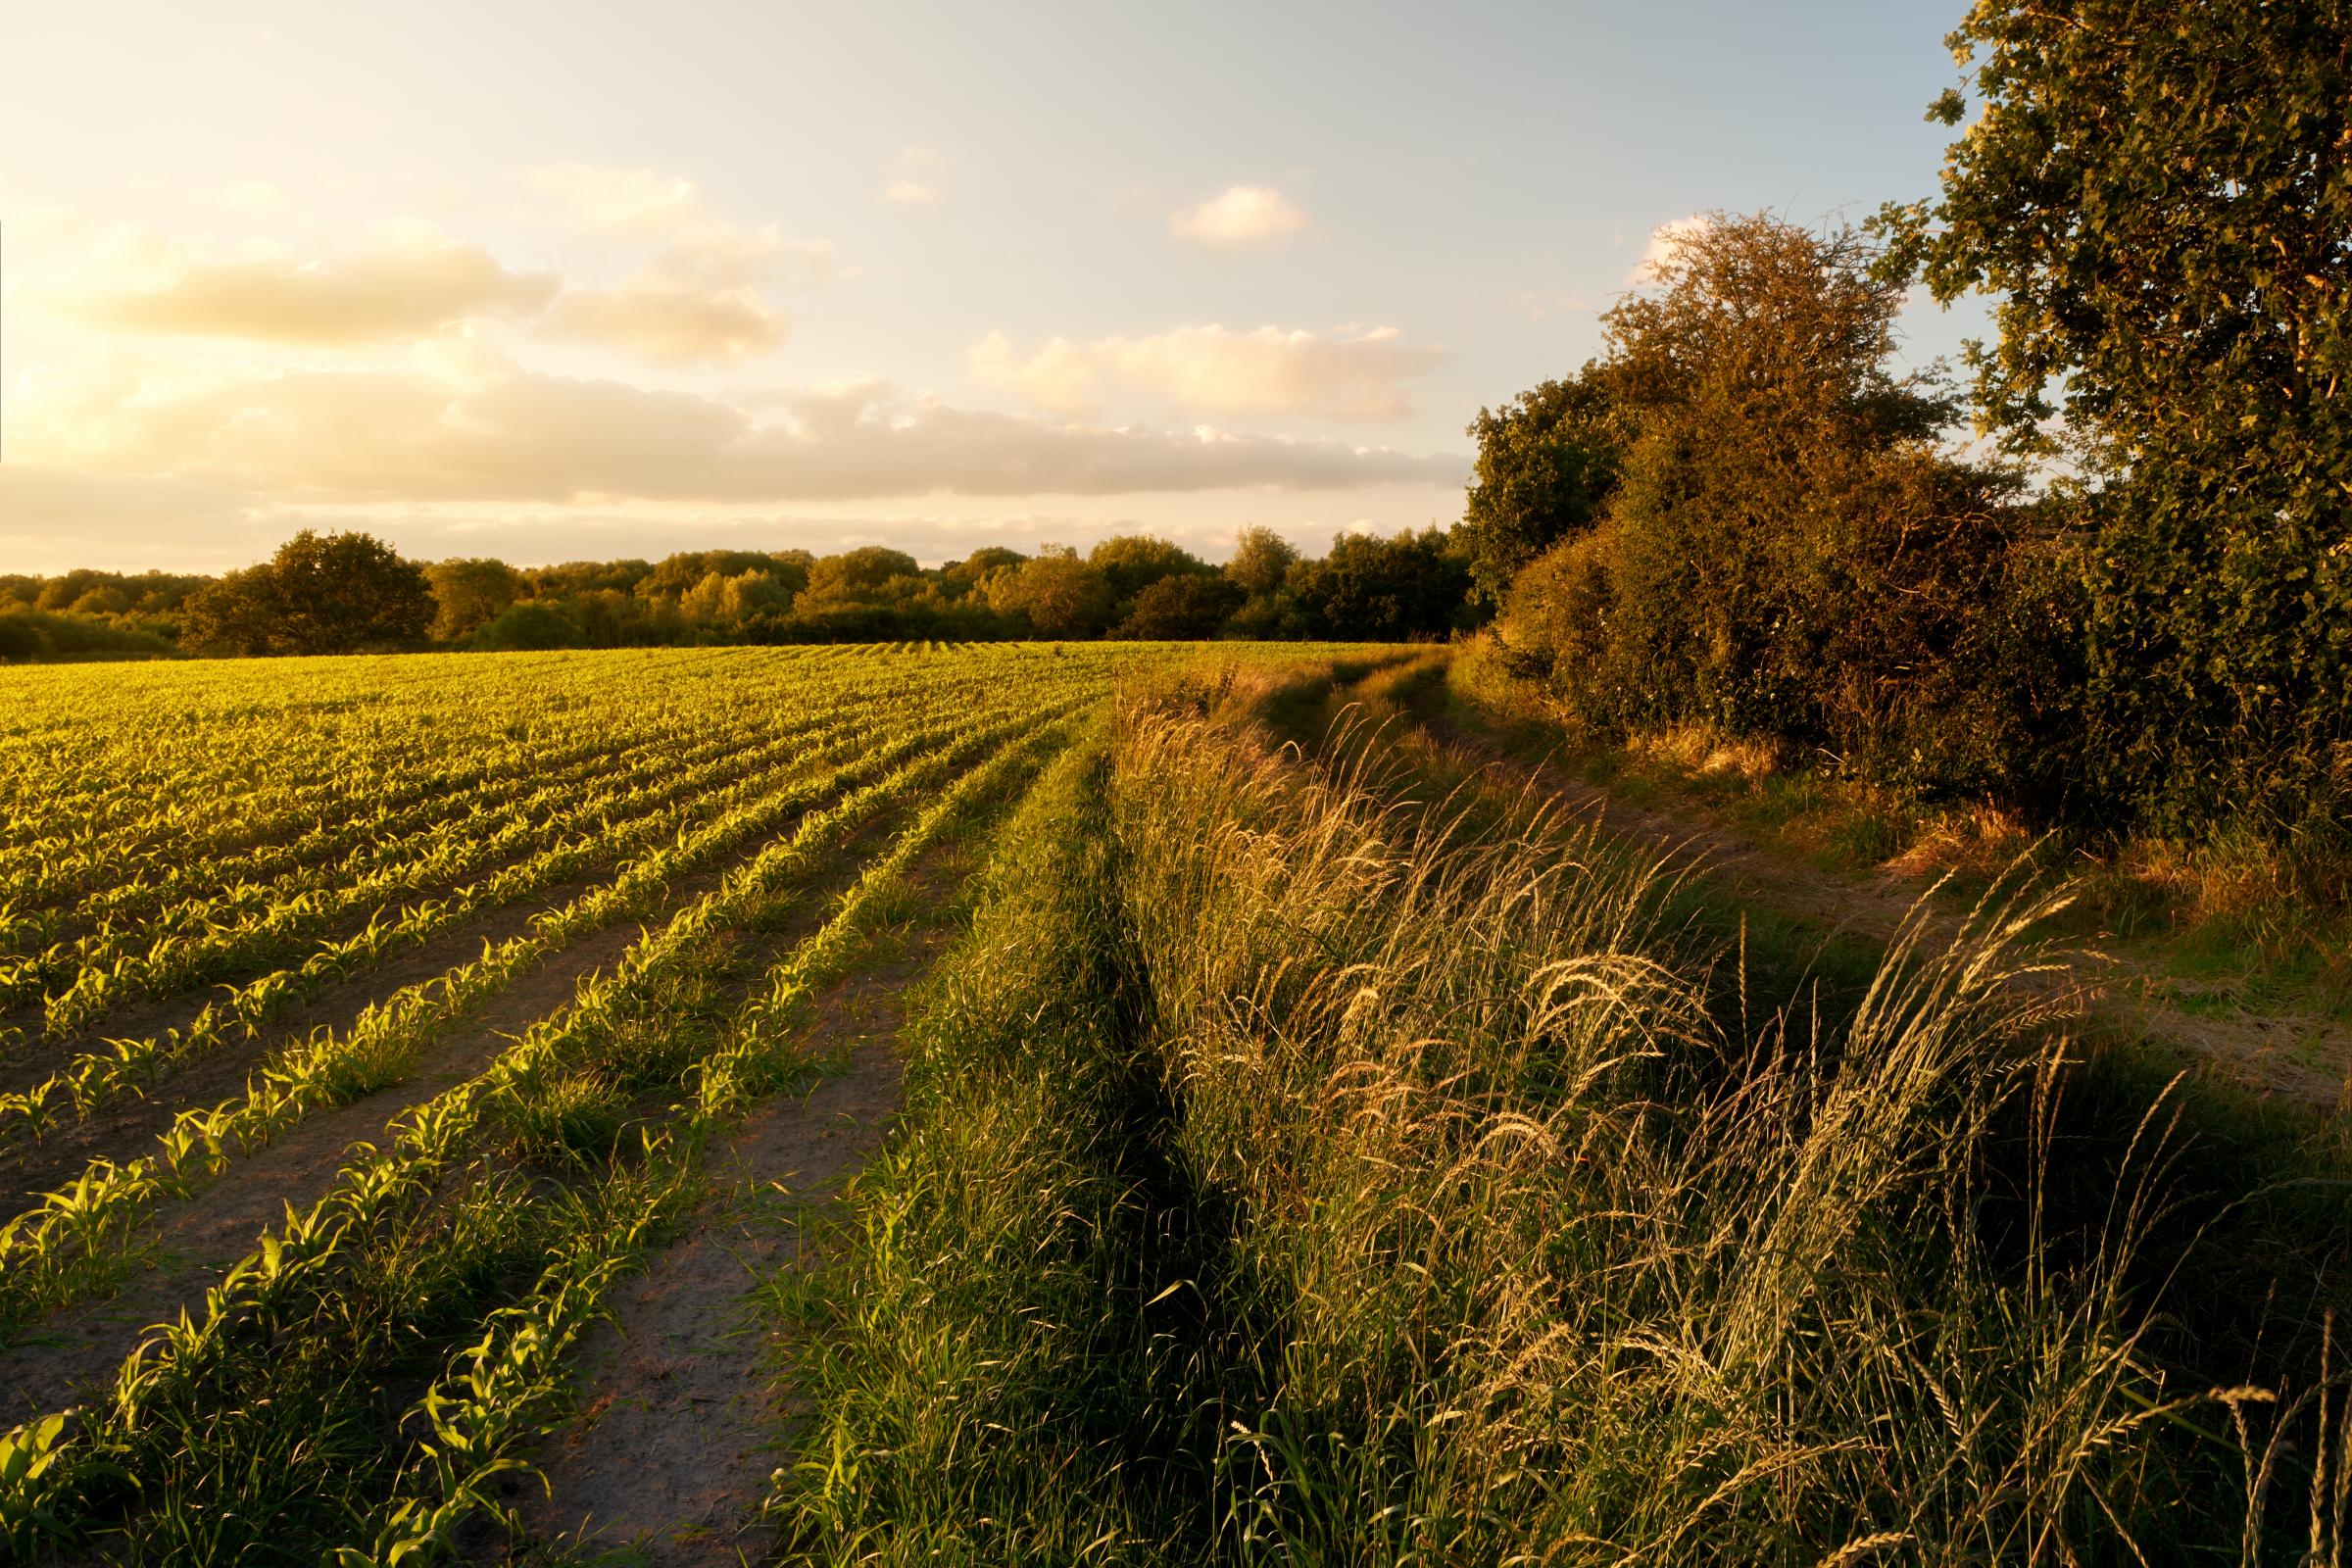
[
  {"x": 1051, "y": 1104},
  {"x": 411, "y": 988}
]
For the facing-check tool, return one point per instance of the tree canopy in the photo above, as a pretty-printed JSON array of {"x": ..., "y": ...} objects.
[
  {"x": 1547, "y": 460},
  {"x": 2159, "y": 198},
  {"x": 330, "y": 593}
]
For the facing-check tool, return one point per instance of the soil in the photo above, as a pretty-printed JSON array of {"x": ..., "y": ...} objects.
[
  {"x": 687, "y": 1410},
  {"x": 682, "y": 1426},
  {"x": 123, "y": 1129}
]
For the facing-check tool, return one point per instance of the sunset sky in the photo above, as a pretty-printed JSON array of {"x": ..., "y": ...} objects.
[{"x": 564, "y": 282}]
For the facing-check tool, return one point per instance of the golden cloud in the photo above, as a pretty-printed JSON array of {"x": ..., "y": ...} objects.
[
  {"x": 665, "y": 323},
  {"x": 398, "y": 291},
  {"x": 378, "y": 436},
  {"x": 695, "y": 301}
]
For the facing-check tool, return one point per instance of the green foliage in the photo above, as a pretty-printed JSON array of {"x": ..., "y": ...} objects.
[
  {"x": 1184, "y": 607},
  {"x": 1395, "y": 589},
  {"x": 1289, "y": 1174},
  {"x": 2158, "y": 198},
  {"x": 319, "y": 594},
  {"x": 1129, "y": 585},
  {"x": 32, "y": 635},
  {"x": 526, "y": 626},
  {"x": 1547, "y": 463},
  {"x": 1133, "y": 561},
  {"x": 1058, "y": 594},
  {"x": 859, "y": 574},
  {"x": 469, "y": 594},
  {"x": 1788, "y": 552},
  {"x": 1261, "y": 560}
]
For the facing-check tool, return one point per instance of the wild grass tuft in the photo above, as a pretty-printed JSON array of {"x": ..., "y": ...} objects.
[{"x": 1302, "y": 1169}]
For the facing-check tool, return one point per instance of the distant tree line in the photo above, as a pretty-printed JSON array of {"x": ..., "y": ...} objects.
[
  {"x": 2133, "y": 605},
  {"x": 347, "y": 592}
]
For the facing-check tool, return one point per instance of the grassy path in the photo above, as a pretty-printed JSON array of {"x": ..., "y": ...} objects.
[{"x": 2298, "y": 1055}]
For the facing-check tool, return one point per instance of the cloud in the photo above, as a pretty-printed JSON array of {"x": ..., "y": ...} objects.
[
  {"x": 697, "y": 299},
  {"x": 717, "y": 252},
  {"x": 907, "y": 187},
  {"x": 1350, "y": 373},
  {"x": 53, "y": 515},
  {"x": 1660, "y": 248},
  {"x": 1246, "y": 215},
  {"x": 665, "y": 323},
  {"x": 402, "y": 290},
  {"x": 607, "y": 197},
  {"x": 315, "y": 436}
]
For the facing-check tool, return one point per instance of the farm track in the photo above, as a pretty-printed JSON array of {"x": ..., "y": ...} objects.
[{"x": 682, "y": 1411}]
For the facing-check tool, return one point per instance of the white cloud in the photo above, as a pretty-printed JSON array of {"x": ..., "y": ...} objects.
[
  {"x": 312, "y": 436},
  {"x": 1352, "y": 373},
  {"x": 1661, "y": 245},
  {"x": 701, "y": 246},
  {"x": 909, "y": 193},
  {"x": 1246, "y": 215},
  {"x": 695, "y": 299}
]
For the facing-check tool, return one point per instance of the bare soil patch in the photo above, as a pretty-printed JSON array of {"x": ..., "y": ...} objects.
[{"x": 683, "y": 1421}]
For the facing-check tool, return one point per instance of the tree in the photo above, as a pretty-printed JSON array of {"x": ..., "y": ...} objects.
[
  {"x": 730, "y": 601},
  {"x": 2157, "y": 195},
  {"x": 525, "y": 625},
  {"x": 1060, "y": 595},
  {"x": 1547, "y": 463},
  {"x": 319, "y": 594},
  {"x": 1133, "y": 561},
  {"x": 1182, "y": 607},
  {"x": 1384, "y": 590},
  {"x": 470, "y": 592},
  {"x": 1261, "y": 558},
  {"x": 960, "y": 578},
  {"x": 1789, "y": 553},
  {"x": 859, "y": 576}
]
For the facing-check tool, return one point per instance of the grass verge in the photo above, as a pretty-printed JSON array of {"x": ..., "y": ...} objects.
[{"x": 1293, "y": 1171}]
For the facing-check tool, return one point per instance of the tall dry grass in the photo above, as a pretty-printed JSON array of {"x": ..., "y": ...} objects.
[{"x": 1300, "y": 1169}]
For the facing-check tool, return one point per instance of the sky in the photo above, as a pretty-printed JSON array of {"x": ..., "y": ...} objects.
[{"x": 574, "y": 281}]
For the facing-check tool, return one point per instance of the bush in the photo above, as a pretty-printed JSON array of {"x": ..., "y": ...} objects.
[
  {"x": 528, "y": 626},
  {"x": 33, "y": 637},
  {"x": 1181, "y": 608}
]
